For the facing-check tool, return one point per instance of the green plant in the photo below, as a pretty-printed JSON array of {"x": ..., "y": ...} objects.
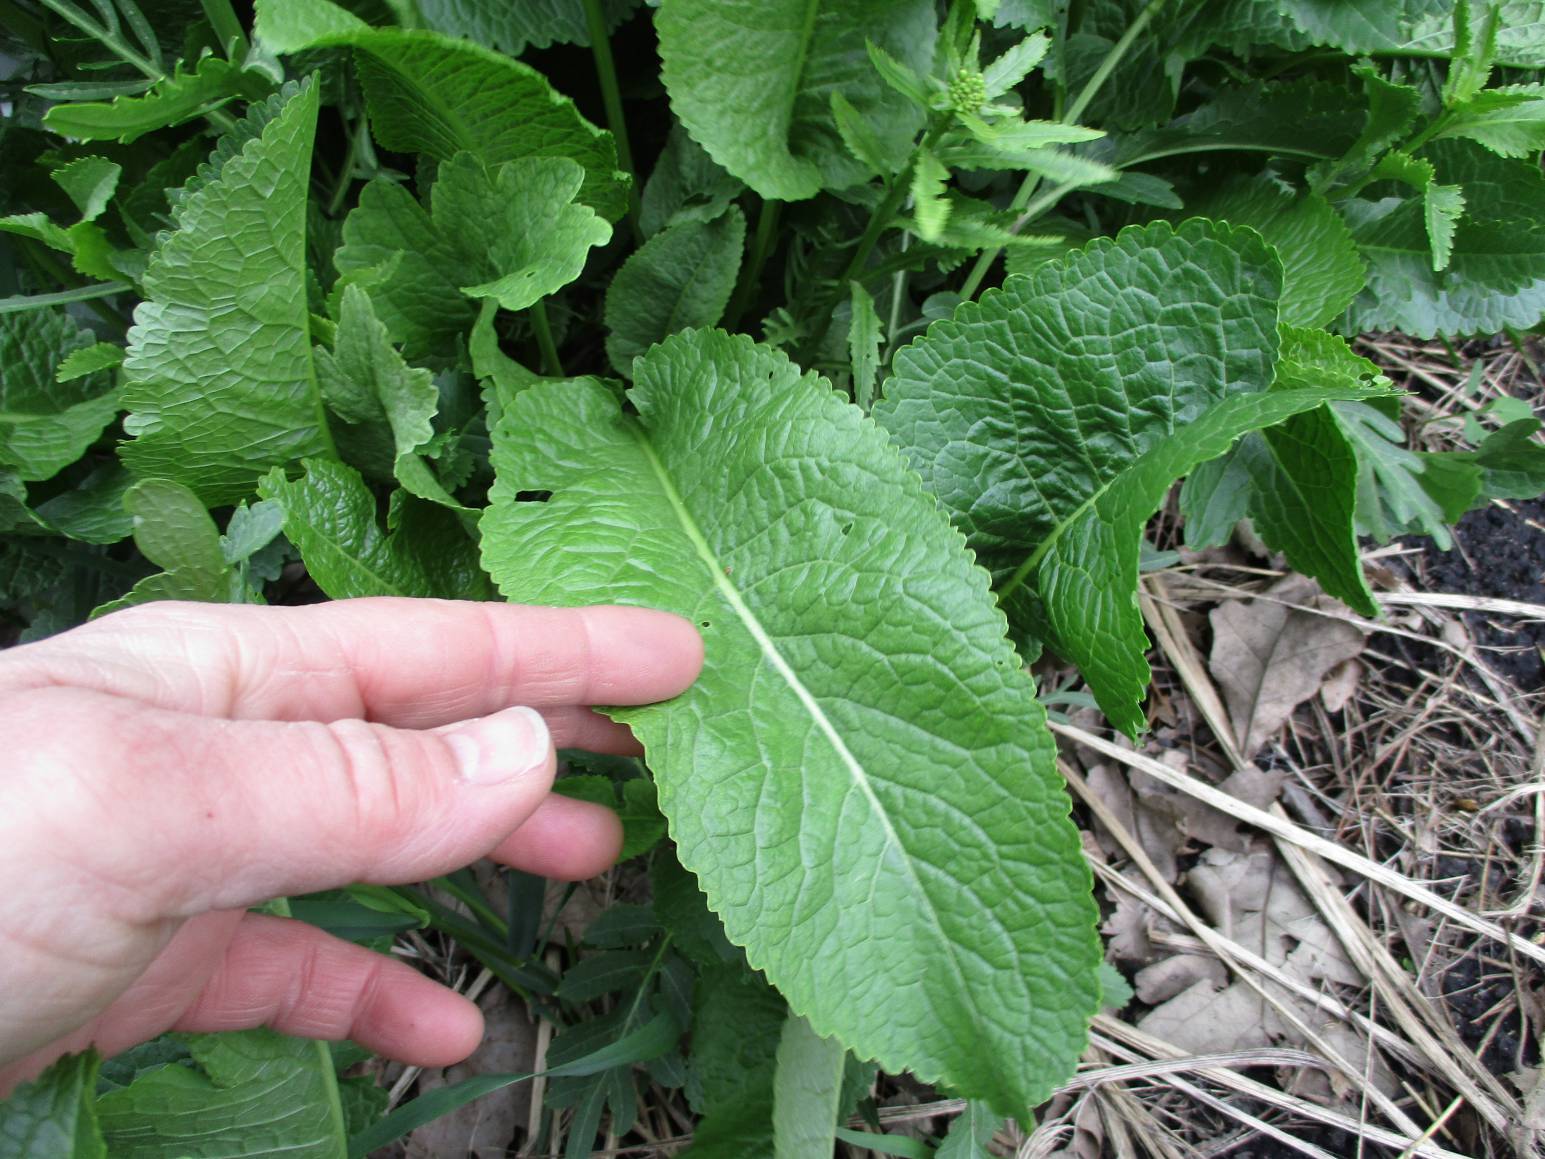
[{"x": 372, "y": 256}]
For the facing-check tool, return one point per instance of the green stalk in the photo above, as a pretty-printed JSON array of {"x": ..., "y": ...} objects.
[
  {"x": 79, "y": 294},
  {"x": 761, "y": 250},
  {"x": 551, "y": 366},
  {"x": 103, "y": 35},
  {"x": 611, "y": 97},
  {"x": 1070, "y": 116},
  {"x": 229, "y": 33}
]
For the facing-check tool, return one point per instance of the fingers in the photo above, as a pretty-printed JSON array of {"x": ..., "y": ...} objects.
[
  {"x": 565, "y": 839},
  {"x": 296, "y": 979},
  {"x": 583, "y": 728},
  {"x": 174, "y": 814},
  {"x": 408, "y": 663}
]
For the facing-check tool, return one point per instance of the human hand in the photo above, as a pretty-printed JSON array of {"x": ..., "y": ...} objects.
[{"x": 171, "y": 765}]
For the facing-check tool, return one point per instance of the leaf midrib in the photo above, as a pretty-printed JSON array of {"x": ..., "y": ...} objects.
[{"x": 807, "y": 699}]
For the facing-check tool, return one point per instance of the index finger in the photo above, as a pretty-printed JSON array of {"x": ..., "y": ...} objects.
[{"x": 406, "y": 662}]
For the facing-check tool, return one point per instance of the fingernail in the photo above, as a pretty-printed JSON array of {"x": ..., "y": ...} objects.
[{"x": 501, "y": 747}]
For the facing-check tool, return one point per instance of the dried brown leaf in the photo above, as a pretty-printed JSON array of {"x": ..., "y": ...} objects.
[{"x": 1269, "y": 657}]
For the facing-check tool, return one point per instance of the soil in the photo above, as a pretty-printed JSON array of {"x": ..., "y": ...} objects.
[{"x": 1498, "y": 551}]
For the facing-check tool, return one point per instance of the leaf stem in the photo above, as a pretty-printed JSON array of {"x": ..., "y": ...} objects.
[
  {"x": 227, "y": 28},
  {"x": 611, "y": 97},
  {"x": 105, "y": 36},
  {"x": 551, "y": 365},
  {"x": 1069, "y": 116},
  {"x": 761, "y": 248},
  {"x": 61, "y": 297}
]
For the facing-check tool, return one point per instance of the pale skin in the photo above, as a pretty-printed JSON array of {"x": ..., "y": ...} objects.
[{"x": 169, "y": 766}]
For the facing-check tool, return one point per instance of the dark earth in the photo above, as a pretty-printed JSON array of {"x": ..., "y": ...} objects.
[{"x": 1498, "y": 551}]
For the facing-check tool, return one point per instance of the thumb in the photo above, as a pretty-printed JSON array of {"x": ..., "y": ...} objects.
[{"x": 216, "y": 814}]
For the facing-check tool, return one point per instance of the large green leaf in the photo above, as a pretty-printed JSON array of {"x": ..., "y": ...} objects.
[
  {"x": 254, "y": 1093},
  {"x": 330, "y": 516},
  {"x": 1300, "y": 119},
  {"x": 510, "y": 28},
  {"x": 681, "y": 277},
  {"x": 860, "y": 778},
  {"x": 1414, "y": 27},
  {"x": 1496, "y": 270},
  {"x": 46, "y": 425},
  {"x": 1296, "y": 481},
  {"x": 1321, "y": 270},
  {"x": 435, "y": 94},
  {"x": 753, "y": 83},
  {"x": 54, "y": 1115},
  {"x": 1051, "y": 417},
  {"x": 218, "y": 374}
]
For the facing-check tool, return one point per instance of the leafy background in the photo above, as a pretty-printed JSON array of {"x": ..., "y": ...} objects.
[{"x": 872, "y": 336}]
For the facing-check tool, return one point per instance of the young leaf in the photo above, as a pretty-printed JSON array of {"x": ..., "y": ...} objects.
[
  {"x": 330, "y": 516},
  {"x": 970, "y": 1133},
  {"x": 221, "y": 394},
  {"x": 438, "y": 95},
  {"x": 1050, "y": 420},
  {"x": 753, "y": 86},
  {"x": 387, "y": 406},
  {"x": 864, "y": 333},
  {"x": 55, "y": 1114},
  {"x": 1391, "y": 499},
  {"x": 930, "y": 206},
  {"x": 173, "y": 100},
  {"x": 1321, "y": 269},
  {"x": 522, "y": 230},
  {"x": 1014, "y": 65},
  {"x": 1510, "y": 121},
  {"x": 1512, "y": 462},
  {"x": 705, "y": 504},
  {"x": 685, "y": 184},
  {"x": 1496, "y": 272},
  {"x": 90, "y": 183},
  {"x": 86, "y": 360},
  {"x": 254, "y": 1090},
  {"x": 410, "y": 267},
  {"x": 807, "y": 1085},
  {"x": 1392, "y": 110},
  {"x": 681, "y": 277},
  {"x": 899, "y": 76},
  {"x": 859, "y": 137},
  {"x": 1475, "y": 50},
  {"x": 46, "y": 425},
  {"x": 173, "y": 530},
  {"x": 1442, "y": 207}
]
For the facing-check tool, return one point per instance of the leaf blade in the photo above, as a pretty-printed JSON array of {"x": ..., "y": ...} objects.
[{"x": 662, "y": 478}]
